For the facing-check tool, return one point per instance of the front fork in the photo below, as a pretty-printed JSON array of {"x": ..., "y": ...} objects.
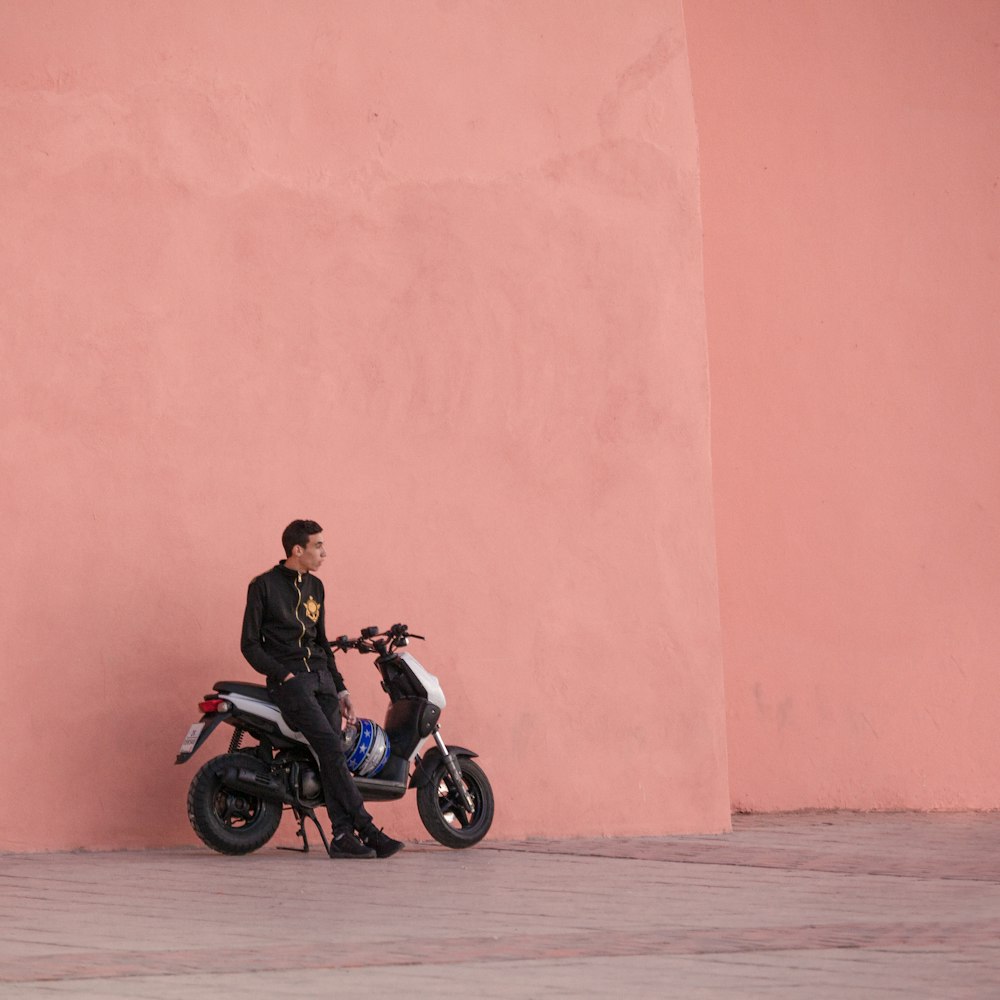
[{"x": 454, "y": 771}]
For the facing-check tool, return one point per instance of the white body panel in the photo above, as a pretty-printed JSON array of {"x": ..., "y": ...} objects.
[
  {"x": 434, "y": 693},
  {"x": 266, "y": 711}
]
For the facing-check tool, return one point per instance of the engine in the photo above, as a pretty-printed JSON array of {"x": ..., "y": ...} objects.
[{"x": 310, "y": 786}]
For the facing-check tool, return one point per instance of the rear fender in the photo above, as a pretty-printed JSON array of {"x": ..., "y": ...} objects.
[{"x": 428, "y": 764}]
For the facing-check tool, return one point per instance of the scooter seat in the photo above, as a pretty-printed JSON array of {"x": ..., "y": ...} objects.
[{"x": 258, "y": 691}]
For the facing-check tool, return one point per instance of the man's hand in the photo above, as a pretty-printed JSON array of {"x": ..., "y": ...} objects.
[{"x": 347, "y": 708}]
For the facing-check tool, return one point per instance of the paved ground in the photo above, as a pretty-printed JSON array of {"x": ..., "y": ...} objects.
[{"x": 817, "y": 905}]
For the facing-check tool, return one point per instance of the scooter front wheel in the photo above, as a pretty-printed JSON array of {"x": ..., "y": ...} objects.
[
  {"x": 229, "y": 821},
  {"x": 443, "y": 812}
]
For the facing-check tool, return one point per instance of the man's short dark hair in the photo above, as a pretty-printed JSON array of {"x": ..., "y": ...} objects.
[{"x": 297, "y": 533}]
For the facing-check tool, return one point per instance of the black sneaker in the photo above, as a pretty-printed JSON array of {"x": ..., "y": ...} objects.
[
  {"x": 348, "y": 846},
  {"x": 384, "y": 845}
]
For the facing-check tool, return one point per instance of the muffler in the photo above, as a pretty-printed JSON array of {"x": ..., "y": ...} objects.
[{"x": 259, "y": 783}]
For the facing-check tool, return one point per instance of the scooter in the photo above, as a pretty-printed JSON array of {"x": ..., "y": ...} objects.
[{"x": 236, "y": 800}]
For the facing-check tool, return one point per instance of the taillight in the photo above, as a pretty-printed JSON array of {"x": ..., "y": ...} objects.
[{"x": 214, "y": 705}]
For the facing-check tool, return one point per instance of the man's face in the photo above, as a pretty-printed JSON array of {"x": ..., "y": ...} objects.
[{"x": 313, "y": 554}]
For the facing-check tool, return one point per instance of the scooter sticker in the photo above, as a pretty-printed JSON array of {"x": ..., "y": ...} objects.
[{"x": 192, "y": 737}]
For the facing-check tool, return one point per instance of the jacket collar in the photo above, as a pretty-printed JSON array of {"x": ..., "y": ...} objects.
[{"x": 289, "y": 574}]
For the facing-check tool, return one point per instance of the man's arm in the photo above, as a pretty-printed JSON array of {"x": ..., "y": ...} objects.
[
  {"x": 343, "y": 695},
  {"x": 250, "y": 642},
  {"x": 324, "y": 643}
]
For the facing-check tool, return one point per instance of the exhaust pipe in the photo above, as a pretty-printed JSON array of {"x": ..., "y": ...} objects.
[{"x": 258, "y": 783}]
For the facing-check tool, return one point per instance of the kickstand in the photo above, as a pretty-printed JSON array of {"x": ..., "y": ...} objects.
[{"x": 302, "y": 813}]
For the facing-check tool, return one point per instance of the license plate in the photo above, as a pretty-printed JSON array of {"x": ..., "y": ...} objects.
[{"x": 192, "y": 737}]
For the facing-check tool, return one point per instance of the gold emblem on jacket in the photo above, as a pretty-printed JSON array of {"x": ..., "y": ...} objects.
[{"x": 312, "y": 607}]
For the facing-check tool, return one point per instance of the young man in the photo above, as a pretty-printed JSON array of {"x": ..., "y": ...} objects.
[{"x": 284, "y": 637}]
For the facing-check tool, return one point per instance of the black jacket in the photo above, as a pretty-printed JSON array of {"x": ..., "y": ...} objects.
[{"x": 284, "y": 626}]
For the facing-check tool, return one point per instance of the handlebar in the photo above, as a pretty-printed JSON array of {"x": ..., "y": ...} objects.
[{"x": 372, "y": 640}]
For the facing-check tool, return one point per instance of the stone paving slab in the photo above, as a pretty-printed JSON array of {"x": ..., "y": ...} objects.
[
  {"x": 944, "y": 845},
  {"x": 810, "y": 905}
]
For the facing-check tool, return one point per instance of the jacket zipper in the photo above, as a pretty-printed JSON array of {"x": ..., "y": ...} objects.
[{"x": 302, "y": 624}]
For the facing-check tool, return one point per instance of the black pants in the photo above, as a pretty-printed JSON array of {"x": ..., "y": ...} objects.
[{"x": 309, "y": 704}]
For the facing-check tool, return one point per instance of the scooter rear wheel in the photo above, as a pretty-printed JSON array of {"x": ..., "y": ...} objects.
[
  {"x": 443, "y": 813},
  {"x": 229, "y": 821}
]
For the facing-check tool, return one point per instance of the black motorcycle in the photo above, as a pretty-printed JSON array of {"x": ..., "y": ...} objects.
[{"x": 236, "y": 800}]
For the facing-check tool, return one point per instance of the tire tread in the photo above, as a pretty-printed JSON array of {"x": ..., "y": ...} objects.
[
  {"x": 206, "y": 823},
  {"x": 429, "y": 807}
]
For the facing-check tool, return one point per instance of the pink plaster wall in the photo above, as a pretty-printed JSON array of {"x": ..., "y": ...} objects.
[
  {"x": 849, "y": 170},
  {"x": 427, "y": 272}
]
